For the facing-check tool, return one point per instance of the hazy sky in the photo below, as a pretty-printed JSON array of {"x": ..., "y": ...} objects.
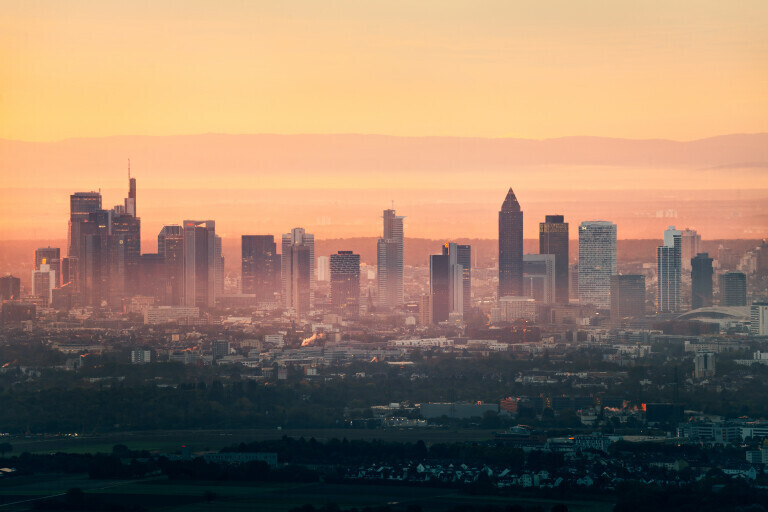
[{"x": 669, "y": 69}]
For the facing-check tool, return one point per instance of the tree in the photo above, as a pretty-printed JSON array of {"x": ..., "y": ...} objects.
[{"x": 5, "y": 448}]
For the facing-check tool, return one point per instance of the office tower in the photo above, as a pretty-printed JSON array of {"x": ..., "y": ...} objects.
[
  {"x": 701, "y": 281},
  {"x": 690, "y": 242},
  {"x": 260, "y": 267},
  {"x": 69, "y": 269},
  {"x": 51, "y": 256},
  {"x": 298, "y": 271},
  {"x": 597, "y": 262},
  {"x": 733, "y": 289},
  {"x": 553, "y": 239},
  {"x": 510, "y": 247},
  {"x": 219, "y": 349},
  {"x": 170, "y": 247},
  {"x": 389, "y": 260},
  {"x": 758, "y": 319},
  {"x": 668, "y": 265},
  {"x": 93, "y": 261},
  {"x": 218, "y": 266},
  {"x": 627, "y": 297},
  {"x": 425, "y": 310},
  {"x": 573, "y": 282},
  {"x": 199, "y": 263},
  {"x": 10, "y": 288},
  {"x": 80, "y": 205},
  {"x": 43, "y": 283},
  {"x": 323, "y": 268},
  {"x": 539, "y": 281},
  {"x": 345, "y": 283},
  {"x": 447, "y": 282},
  {"x": 130, "y": 201},
  {"x": 464, "y": 258},
  {"x": 704, "y": 365},
  {"x": 153, "y": 280},
  {"x": 125, "y": 256}
]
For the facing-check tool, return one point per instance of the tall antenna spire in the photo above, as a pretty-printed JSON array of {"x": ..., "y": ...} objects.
[{"x": 129, "y": 168}]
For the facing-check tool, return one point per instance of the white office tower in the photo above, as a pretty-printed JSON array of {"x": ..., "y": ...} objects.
[
  {"x": 199, "y": 263},
  {"x": 668, "y": 263},
  {"x": 758, "y": 319},
  {"x": 597, "y": 262},
  {"x": 690, "y": 244},
  {"x": 43, "y": 282},
  {"x": 389, "y": 261},
  {"x": 298, "y": 271},
  {"x": 323, "y": 268}
]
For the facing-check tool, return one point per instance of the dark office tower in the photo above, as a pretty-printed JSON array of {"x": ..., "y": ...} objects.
[
  {"x": 298, "y": 271},
  {"x": 10, "y": 288},
  {"x": 345, "y": 283},
  {"x": 69, "y": 268},
  {"x": 260, "y": 266},
  {"x": 460, "y": 279},
  {"x": 510, "y": 247},
  {"x": 553, "y": 239},
  {"x": 701, "y": 281},
  {"x": 94, "y": 260},
  {"x": 52, "y": 257},
  {"x": 389, "y": 261},
  {"x": 153, "y": 281},
  {"x": 218, "y": 266},
  {"x": 81, "y": 204},
  {"x": 439, "y": 286},
  {"x": 130, "y": 201},
  {"x": 200, "y": 263},
  {"x": 669, "y": 267},
  {"x": 170, "y": 247},
  {"x": 733, "y": 289},
  {"x": 124, "y": 256},
  {"x": 627, "y": 297}
]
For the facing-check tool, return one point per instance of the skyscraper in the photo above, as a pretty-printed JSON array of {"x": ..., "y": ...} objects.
[
  {"x": 170, "y": 247},
  {"x": 690, "y": 241},
  {"x": 510, "y": 247},
  {"x": 218, "y": 266},
  {"x": 539, "y": 277},
  {"x": 668, "y": 264},
  {"x": 758, "y": 319},
  {"x": 80, "y": 205},
  {"x": 733, "y": 289},
  {"x": 553, "y": 239},
  {"x": 389, "y": 260},
  {"x": 597, "y": 262},
  {"x": 345, "y": 283},
  {"x": 43, "y": 283},
  {"x": 52, "y": 257},
  {"x": 124, "y": 255},
  {"x": 447, "y": 281},
  {"x": 199, "y": 263},
  {"x": 627, "y": 297},
  {"x": 93, "y": 260},
  {"x": 298, "y": 271},
  {"x": 701, "y": 281},
  {"x": 260, "y": 267},
  {"x": 10, "y": 288}
]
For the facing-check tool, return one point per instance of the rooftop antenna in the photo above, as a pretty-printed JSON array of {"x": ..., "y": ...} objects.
[
  {"x": 393, "y": 204},
  {"x": 129, "y": 168}
]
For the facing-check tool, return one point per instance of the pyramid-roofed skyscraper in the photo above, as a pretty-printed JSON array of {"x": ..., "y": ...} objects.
[{"x": 510, "y": 247}]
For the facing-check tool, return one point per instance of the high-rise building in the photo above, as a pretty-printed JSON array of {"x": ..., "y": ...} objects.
[
  {"x": 704, "y": 365},
  {"x": 701, "y": 281},
  {"x": 690, "y": 242},
  {"x": 218, "y": 266},
  {"x": 539, "y": 277},
  {"x": 43, "y": 283},
  {"x": 10, "y": 288},
  {"x": 345, "y": 283},
  {"x": 668, "y": 272},
  {"x": 425, "y": 310},
  {"x": 124, "y": 256},
  {"x": 298, "y": 271},
  {"x": 93, "y": 275},
  {"x": 199, "y": 263},
  {"x": 170, "y": 247},
  {"x": 627, "y": 297},
  {"x": 553, "y": 239},
  {"x": 733, "y": 289},
  {"x": 597, "y": 262},
  {"x": 52, "y": 257},
  {"x": 81, "y": 204},
  {"x": 260, "y": 267},
  {"x": 323, "y": 268},
  {"x": 510, "y": 247},
  {"x": 389, "y": 260},
  {"x": 448, "y": 281},
  {"x": 758, "y": 319},
  {"x": 464, "y": 258}
]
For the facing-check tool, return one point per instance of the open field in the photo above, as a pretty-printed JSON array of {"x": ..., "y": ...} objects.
[
  {"x": 204, "y": 440},
  {"x": 159, "y": 494}
]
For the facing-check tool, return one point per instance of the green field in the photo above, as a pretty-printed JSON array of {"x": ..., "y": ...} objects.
[
  {"x": 203, "y": 440},
  {"x": 162, "y": 495}
]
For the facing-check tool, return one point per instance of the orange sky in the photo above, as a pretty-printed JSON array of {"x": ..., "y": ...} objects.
[{"x": 680, "y": 70}]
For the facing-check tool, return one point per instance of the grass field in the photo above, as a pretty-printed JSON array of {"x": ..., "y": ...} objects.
[
  {"x": 172, "y": 440},
  {"x": 159, "y": 494}
]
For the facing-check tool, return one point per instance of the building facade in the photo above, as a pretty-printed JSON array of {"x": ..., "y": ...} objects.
[
  {"x": 668, "y": 272},
  {"x": 597, "y": 262},
  {"x": 389, "y": 261},
  {"x": 553, "y": 239},
  {"x": 510, "y": 247},
  {"x": 298, "y": 271},
  {"x": 260, "y": 267},
  {"x": 345, "y": 283},
  {"x": 701, "y": 281}
]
